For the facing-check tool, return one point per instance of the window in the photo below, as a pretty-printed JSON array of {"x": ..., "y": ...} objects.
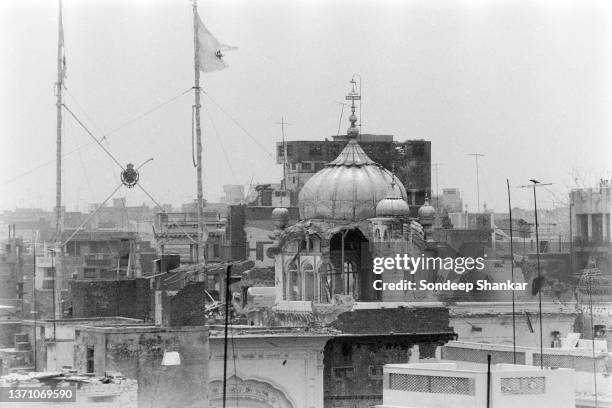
[
  {"x": 375, "y": 372},
  {"x": 347, "y": 372},
  {"x": 90, "y": 360},
  {"x": 47, "y": 284},
  {"x": 259, "y": 251},
  {"x": 307, "y": 166},
  {"x": 89, "y": 273},
  {"x": 309, "y": 281},
  {"x": 315, "y": 150},
  {"x": 295, "y": 282},
  {"x": 48, "y": 272}
]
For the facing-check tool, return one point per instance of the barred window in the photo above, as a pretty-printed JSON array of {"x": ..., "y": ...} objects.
[
  {"x": 523, "y": 385},
  {"x": 432, "y": 384}
]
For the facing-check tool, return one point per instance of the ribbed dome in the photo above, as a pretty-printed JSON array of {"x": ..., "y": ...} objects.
[
  {"x": 348, "y": 188},
  {"x": 427, "y": 212},
  {"x": 392, "y": 207}
]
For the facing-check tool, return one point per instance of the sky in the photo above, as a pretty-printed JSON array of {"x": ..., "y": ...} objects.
[{"x": 526, "y": 83}]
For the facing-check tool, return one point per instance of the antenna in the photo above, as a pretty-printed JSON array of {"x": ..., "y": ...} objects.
[
  {"x": 536, "y": 183},
  {"x": 436, "y": 165},
  {"x": 476, "y": 156},
  {"x": 282, "y": 123}
]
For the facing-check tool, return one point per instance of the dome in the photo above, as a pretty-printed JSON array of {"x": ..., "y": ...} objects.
[
  {"x": 392, "y": 207},
  {"x": 280, "y": 216},
  {"x": 427, "y": 212},
  {"x": 348, "y": 188}
]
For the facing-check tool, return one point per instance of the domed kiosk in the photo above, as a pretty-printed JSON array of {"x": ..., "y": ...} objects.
[{"x": 349, "y": 187}]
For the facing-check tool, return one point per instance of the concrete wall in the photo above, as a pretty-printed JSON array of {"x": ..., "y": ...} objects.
[
  {"x": 137, "y": 353},
  {"x": 510, "y": 388},
  {"x": 498, "y": 328}
]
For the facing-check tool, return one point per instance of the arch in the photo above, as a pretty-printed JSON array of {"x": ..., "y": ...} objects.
[
  {"x": 294, "y": 281},
  {"x": 308, "y": 272},
  {"x": 248, "y": 393}
]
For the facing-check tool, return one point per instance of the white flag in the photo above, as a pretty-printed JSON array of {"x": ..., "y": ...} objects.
[{"x": 210, "y": 50}]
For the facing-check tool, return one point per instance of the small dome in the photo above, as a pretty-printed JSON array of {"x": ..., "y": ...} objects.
[
  {"x": 427, "y": 212},
  {"x": 392, "y": 207},
  {"x": 280, "y": 216}
]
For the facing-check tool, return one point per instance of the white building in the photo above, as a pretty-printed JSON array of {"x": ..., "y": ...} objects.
[{"x": 440, "y": 385}]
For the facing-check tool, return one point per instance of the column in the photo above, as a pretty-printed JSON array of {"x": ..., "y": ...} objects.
[{"x": 590, "y": 226}]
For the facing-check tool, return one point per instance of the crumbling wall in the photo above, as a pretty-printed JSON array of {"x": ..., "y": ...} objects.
[
  {"x": 186, "y": 307},
  {"x": 125, "y": 298},
  {"x": 137, "y": 353},
  {"x": 400, "y": 320}
]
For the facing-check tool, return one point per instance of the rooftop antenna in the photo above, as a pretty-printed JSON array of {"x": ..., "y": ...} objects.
[
  {"x": 538, "y": 287},
  {"x": 282, "y": 123},
  {"x": 476, "y": 156},
  {"x": 512, "y": 276}
]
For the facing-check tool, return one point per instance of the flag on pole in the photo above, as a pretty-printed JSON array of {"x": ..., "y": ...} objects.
[{"x": 210, "y": 50}]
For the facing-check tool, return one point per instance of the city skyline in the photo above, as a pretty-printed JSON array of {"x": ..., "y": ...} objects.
[{"x": 537, "y": 75}]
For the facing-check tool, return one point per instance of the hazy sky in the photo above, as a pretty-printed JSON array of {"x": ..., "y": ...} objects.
[{"x": 527, "y": 83}]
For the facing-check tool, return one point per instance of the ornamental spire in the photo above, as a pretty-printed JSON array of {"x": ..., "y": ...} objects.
[{"x": 353, "y": 131}]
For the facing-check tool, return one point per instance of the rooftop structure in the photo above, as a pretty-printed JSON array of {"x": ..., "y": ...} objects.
[{"x": 433, "y": 385}]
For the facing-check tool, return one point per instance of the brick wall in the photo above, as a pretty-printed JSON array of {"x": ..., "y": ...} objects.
[
  {"x": 186, "y": 307},
  {"x": 125, "y": 298},
  {"x": 400, "y": 320}
]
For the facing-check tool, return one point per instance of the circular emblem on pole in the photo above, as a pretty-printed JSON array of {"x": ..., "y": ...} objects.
[{"x": 129, "y": 176}]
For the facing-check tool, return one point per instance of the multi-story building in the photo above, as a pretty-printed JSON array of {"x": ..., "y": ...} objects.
[
  {"x": 590, "y": 208},
  {"x": 450, "y": 200},
  {"x": 410, "y": 161}
]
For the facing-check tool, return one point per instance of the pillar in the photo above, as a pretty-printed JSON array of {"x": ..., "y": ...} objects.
[{"x": 590, "y": 226}]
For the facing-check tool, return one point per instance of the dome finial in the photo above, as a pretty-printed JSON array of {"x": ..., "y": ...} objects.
[{"x": 352, "y": 132}]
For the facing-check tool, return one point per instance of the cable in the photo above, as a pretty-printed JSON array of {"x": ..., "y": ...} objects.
[
  {"x": 238, "y": 124},
  {"x": 92, "y": 214},
  {"x": 93, "y": 137},
  {"x": 229, "y": 164},
  {"x": 92, "y": 142},
  {"x": 138, "y": 117},
  {"x": 164, "y": 211}
]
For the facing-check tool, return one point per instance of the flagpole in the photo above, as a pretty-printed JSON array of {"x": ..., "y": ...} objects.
[
  {"x": 198, "y": 128},
  {"x": 57, "y": 278}
]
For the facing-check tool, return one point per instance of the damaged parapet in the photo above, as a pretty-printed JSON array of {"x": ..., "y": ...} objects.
[{"x": 110, "y": 390}]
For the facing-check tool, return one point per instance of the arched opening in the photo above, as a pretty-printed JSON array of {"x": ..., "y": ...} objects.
[
  {"x": 309, "y": 281},
  {"x": 352, "y": 264},
  {"x": 247, "y": 394},
  {"x": 295, "y": 282}
]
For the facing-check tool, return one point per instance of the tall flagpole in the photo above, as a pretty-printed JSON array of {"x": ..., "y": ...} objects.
[
  {"x": 57, "y": 277},
  {"x": 198, "y": 128}
]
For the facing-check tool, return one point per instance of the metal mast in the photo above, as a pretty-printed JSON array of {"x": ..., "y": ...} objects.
[
  {"x": 476, "y": 156},
  {"x": 198, "y": 128},
  {"x": 283, "y": 123},
  {"x": 59, "y": 224}
]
